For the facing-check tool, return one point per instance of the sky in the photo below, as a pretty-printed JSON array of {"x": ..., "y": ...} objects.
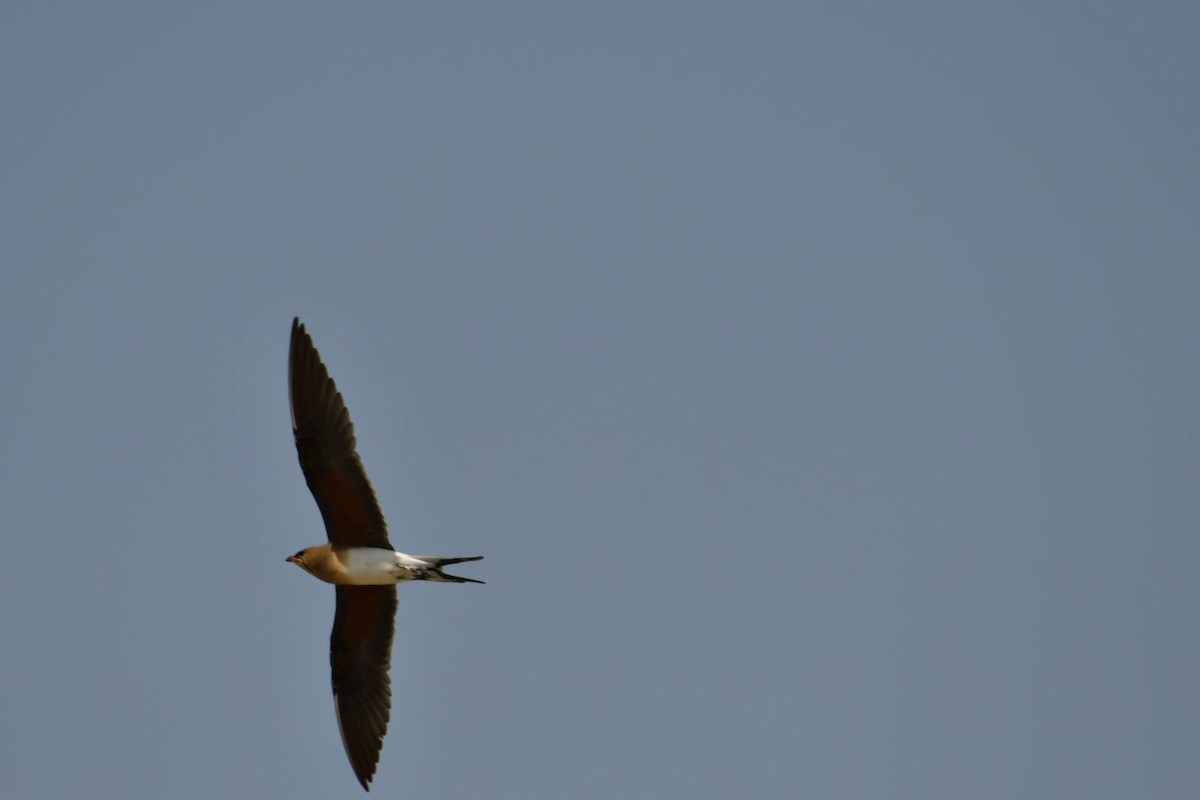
[{"x": 818, "y": 379}]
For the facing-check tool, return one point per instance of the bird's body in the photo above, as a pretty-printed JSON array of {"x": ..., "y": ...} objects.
[
  {"x": 358, "y": 558},
  {"x": 373, "y": 566}
]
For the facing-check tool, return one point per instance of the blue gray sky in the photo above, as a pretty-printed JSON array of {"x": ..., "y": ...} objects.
[{"x": 818, "y": 379}]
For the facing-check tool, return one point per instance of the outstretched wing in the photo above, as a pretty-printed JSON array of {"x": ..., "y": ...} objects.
[
  {"x": 360, "y": 652},
  {"x": 325, "y": 444}
]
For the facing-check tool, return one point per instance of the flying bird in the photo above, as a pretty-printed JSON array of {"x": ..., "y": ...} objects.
[{"x": 358, "y": 558}]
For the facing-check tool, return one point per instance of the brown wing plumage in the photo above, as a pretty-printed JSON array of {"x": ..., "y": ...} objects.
[
  {"x": 360, "y": 653},
  {"x": 325, "y": 443}
]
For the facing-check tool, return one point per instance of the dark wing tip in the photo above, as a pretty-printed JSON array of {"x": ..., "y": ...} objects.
[{"x": 365, "y": 774}]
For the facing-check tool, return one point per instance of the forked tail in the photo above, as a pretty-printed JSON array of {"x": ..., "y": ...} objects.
[{"x": 435, "y": 569}]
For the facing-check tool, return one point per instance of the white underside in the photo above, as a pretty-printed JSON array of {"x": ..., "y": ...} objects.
[{"x": 374, "y": 566}]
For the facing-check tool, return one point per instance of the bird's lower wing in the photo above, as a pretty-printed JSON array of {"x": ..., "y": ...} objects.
[{"x": 360, "y": 652}]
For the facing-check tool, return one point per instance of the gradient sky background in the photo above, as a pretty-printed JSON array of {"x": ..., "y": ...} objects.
[{"x": 819, "y": 380}]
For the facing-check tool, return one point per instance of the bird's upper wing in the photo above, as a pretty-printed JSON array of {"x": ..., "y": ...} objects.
[
  {"x": 325, "y": 443},
  {"x": 360, "y": 650}
]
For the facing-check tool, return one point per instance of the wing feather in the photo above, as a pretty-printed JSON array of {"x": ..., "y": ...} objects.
[
  {"x": 360, "y": 652},
  {"x": 326, "y": 446}
]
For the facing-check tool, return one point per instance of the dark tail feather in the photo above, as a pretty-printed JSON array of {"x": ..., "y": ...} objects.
[
  {"x": 442, "y": 577},
  {"x": 442, "y": 562}
]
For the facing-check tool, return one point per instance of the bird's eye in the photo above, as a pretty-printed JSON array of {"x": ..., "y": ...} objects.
[{"x": 299, "y": 554}]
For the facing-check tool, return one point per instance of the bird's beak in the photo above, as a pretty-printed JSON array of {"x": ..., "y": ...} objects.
[{"x": 292, "y": 560}]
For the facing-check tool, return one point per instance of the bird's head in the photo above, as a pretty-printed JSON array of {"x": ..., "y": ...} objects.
[{"x": 298, "y": 560}]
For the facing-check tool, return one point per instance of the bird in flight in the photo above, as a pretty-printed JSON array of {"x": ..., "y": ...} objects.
[{"x": 358, "y": 558}]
